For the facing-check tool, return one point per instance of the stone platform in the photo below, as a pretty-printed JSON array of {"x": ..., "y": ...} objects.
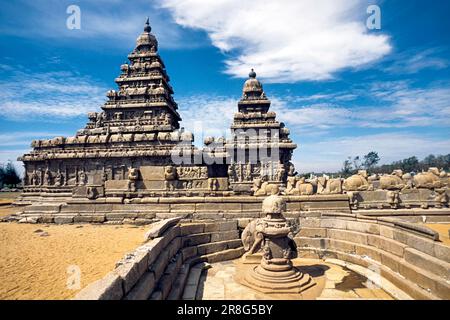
[{"x": 146, "y": 209}]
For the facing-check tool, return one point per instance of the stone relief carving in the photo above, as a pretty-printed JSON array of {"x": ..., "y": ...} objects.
[{"x": 171, "y": 178}]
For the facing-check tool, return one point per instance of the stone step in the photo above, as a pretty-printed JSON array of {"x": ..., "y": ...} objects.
[
  {"x": 208, "y": 248},
  {"x": 192, "y": 282},
  {"x": 229, "y": 254}
]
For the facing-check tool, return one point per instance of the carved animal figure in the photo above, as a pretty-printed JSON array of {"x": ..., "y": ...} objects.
[
  {"x": 304, "y": 188},
  {"x": 261, "y": 188},
  {"x": 392, "y": 181},
  {"x": 357, "y": 182},
  {"x": 333, "y": 186},
  {"x": 248, "y": 235},
  {"x": 290, "y": 188},
  {"x": 133, "y": 176},
  {"x": 171, "y": 177},
  {"x": 428, "y": 180}
]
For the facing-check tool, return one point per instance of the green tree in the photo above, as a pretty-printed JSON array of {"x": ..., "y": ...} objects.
[
  {"x": 11, "y": 177},
  {"x": 2, "y": 176},
  {"x": 357, "y": 163},
  {"x": 371, "y": 159},
  {"x": 430, "y": 160},
  {"x": 410, "y": 164},
  {"x": 347, "y": 167}
]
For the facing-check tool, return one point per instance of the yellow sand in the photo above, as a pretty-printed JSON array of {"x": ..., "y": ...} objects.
[
  {"x": 36, "y": 267},
  {"x": 442, "y": 229},
  {"x": 7, "y": 210}
]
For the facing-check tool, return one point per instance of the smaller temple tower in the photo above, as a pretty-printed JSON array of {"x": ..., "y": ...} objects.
[{"x": 260, "y": 147}]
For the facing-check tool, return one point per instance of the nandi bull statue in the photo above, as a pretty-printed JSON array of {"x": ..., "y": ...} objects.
[
  {"x": 393, "y": 181},
  {"x": 432, "y": 179},
  {"x": 358, "y": 182}
]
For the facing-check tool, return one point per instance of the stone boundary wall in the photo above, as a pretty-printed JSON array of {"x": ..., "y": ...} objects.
[
  {"x": 417, "y": 215},
  {"x": 159, "y": 268},
  {"x": 149, "y": 210},
  {"x": 408, "y": 255}
]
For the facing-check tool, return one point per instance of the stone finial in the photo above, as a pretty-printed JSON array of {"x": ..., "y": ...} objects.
[
  {"x": 274, "y": 204},
  {"x": 147, "y": 27}
]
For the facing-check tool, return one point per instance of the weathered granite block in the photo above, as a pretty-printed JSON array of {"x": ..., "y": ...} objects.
[
  {"x": 225, "y": 255},
  {"x": 143, "y": 288},
  {"x": 63, "y": 219},
  {"x": 341, "y": 245},
  {"x": 391, "y": 261},
  {"x": 169, "y": 235},
  {"x": 363, "y": 227},
  {"x": 212, "y": 247},
  {"x": 189, "y": 252},
  {"x": 425, "y": 280},
  {"x": 159, "y": 228},
  {"x": 208, "y": 215},
  {"x": 427, "y": 262},
  {"x": 386, "y": 232},
  {"x": 441, "y": 251},
  {"x": 226, "y": 235},
  {"x": 196, "y": 239},
  {"x": 193, "y": 228},
  {"x": 130, "y": 271},
  {"x": 386, "y": 244},
  {"x": 318, "y": 243},
  {"x": 89, "y": 218},
  {"x": 232, "y": 244},
  {"x": 367, "y": 251},
  {"x": 416, "y": 242},
  {"x": 173, "y": 246},
  {"x": 160, "y": 264},
  {"x": 107, "y": 288},
  {"x": 179, "y": 283},
  {"x": 333, "y": 224},
  {"x": 350, "y": 236},
  {"x": 313, "y": 232}
]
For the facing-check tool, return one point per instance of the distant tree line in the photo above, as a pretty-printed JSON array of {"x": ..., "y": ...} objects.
[
  {"x": 370, "y": 161},
  {"x": 9, "y": 176},
  {"x": 413, "y": 164}
]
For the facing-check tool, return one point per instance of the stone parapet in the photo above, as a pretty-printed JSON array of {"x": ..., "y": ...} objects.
[
  {"x": 408, "y": 255},
  {"x": 159, "y": 268}
]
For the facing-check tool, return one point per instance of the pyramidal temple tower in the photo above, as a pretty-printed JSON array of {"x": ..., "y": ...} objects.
[
  {"x": 260, "y": 148},
  {"x": 126, "y": 146},
  {"x": 144, "y": 96}
]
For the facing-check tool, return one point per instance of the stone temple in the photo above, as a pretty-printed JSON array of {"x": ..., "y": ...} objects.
[
  {"x": 238, "y": 197},
  {"x": 134, "y": 153}
]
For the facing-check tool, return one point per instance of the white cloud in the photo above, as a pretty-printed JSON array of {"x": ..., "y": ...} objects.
[
  {"x": 393, "y": 105},
  {"x": 414, "y": 61},
  {"x": 207, "y": 115},
  {"x": 285, "y": 41},
  {"x": 51, "y": 95},
  {"x": 23, "y": 138},
  {"x": 111, "y": 23}
]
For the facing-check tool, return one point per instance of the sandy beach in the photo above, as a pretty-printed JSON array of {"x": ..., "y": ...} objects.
[{"x": 36, "y": 260}]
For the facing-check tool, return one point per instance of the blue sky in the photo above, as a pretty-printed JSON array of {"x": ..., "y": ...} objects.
[{"x": 342, "y": 89}]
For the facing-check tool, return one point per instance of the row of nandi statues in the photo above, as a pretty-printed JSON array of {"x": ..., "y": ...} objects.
[{"x": 433, "y": 179}]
